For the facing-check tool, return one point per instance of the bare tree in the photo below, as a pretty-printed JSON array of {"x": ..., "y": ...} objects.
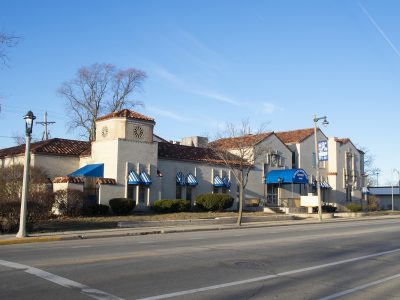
[
  {"x": 6, "y": 41},
  {"x": 242, "y": 142},
  {"x": 99, "y": 89},
  {"x": 370, "y": 171}
]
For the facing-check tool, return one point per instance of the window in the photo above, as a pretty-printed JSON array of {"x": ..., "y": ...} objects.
[
  {"x": 348, "y": 193},
  {"x": 189, "y": 193},
  {"x": 142, "y": 193},
  {"x": 224, "y": 190},
  {"x": 178, "y": 191},
  {"x": 215, "y": 190},
  {"x": 132, "y": 191},
  {"x": 313, "y": 160},
  {"x": 293, "y": 160}
]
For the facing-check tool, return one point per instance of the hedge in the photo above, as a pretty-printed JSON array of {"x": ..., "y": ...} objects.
[
  {"x": 95, "y": 210},
  {"x": 329, "y": 208},
  {"x": 354, "y": 207},
  {"x": 171, "y": 205},
  {"x": 122, "y": 206},
  {"x": 38, "y": 209},
  {"x": 214, "y": 202}
]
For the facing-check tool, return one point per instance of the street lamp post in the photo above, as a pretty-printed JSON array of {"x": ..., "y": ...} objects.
[
  {"x": 398, "y": 177},
  {"x": 29, "y": 117},
  {"x": 318, "y": 179}
]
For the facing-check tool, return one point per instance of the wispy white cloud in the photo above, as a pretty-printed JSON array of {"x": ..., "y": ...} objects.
[
  {"x": 167, "y": 113},
  {"x": 270, "y": 108},
  {"x": 379, "y": 29},
  {"x": 217, "y": 96},
  {"x": 181, "y": 84}
]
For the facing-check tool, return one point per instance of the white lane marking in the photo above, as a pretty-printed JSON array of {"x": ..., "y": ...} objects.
[
  {"x": 358, "y": 288},
  {"x": 262, "y": 278},
  {"x": 77, "y": 247},
  {"x": 145, "y": 242},
  {"x": 93, "y": 293}
]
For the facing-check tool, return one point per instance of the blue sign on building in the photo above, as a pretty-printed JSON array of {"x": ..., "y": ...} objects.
[{"x": 323, "y": 150}]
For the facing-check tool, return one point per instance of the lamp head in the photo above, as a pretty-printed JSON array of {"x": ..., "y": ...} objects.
[
  {"x": 29, "y": 117},
  {"x": 325, "y": 122}
]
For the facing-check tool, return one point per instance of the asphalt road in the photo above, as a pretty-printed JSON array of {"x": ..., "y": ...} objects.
[{"x": 346, "y": 260}]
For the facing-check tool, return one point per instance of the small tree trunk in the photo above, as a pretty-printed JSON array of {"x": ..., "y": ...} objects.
[{"x": 239, "y": 219}]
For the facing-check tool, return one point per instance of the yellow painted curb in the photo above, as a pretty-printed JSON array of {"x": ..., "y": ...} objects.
[{"x": 30, "y": 240}]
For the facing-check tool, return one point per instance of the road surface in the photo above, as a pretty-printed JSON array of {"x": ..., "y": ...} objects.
[{"x": 340, "y": 260}]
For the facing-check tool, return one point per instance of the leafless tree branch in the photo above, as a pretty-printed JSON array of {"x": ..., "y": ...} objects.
[{"x": 99, "y": 89}]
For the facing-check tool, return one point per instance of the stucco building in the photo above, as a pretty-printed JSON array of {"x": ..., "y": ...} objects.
[{"x": 128, "y": 160}]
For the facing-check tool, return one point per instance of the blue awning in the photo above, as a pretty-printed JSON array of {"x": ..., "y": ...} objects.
[
  {"x": 133, "y": 178},
  {"x": 287, "y": 176},
  {"x": 191, "y": 180},
  {"x": 226, "y": 182},
  {"x": 218, "y": 181},
  {"x": 93, "y": 170},
  {"x": 180, "y": 179},
  {"x": 145, "y": 179}
]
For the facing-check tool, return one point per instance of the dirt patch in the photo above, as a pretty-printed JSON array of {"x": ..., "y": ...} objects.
[{"x": 104, "y": 222}]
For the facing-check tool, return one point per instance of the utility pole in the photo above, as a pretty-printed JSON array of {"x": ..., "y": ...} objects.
[{"x": 45, "y": 135}]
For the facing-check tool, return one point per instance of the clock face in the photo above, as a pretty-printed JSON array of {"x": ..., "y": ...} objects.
[
  {"x": 104, "y": 131},
  {"x": 138, "y": 132}
]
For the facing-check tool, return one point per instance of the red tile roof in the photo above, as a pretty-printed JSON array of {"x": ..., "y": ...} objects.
[
  {"x": 342, "y": 141},
  {"x": 179, "y": 152},
  {"x": 106, "y": 181},
  {"x": 67, "y": 179},
  {"x": 54, "y": 146},
  {"x": 295, "y": 136},
  {"x": 249, "y": 140},
  {"x": 125, "y": 113}
]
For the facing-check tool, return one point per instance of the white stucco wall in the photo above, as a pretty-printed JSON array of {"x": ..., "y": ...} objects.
[
  {"x": 256, "y": 186},
  {"x": 203, "y": 173}
]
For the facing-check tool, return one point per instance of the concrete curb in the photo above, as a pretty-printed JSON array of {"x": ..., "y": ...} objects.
[{"x": 30, "y": 240}]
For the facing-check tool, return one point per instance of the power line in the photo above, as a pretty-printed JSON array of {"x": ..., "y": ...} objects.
[{"x": 45, "y": 135}]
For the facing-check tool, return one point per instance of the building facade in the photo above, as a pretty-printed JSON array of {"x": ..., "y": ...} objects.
[{"x": 128, "y": 160}]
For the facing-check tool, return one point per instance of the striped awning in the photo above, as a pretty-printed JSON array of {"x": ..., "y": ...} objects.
[
  {"x": 133, "y": 178},
  {"x": 191, "y": 180},
  {"x": 226, "y": 182},
  {"x": 325, "y": 185},
  {"x": 145, "y": 179},
  {"x": 218, "y": 181},
  {"x": 180, "y": 179}
]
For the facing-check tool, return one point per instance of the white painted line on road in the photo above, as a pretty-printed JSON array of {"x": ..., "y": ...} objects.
[
  {"x": 84, "y": 289},
  {"x": 78, "y": 247},
  {"x": 262, "y": 278},
  {"x": 361, "y": 287},
  {"x": 145, "y": 242}
]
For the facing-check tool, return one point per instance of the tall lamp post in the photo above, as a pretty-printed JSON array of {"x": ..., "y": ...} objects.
[
  {"x": 398, "y": 177},
  {"x": 318, "y": 179},
  {"x": 29, "y": 117}
]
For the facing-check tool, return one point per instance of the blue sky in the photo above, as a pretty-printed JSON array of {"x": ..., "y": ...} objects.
[{"x": 212, "y": 62}]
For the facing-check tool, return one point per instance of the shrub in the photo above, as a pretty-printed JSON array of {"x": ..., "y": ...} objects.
[
  {"x": 122, "y": 206},
  {"x": 95, "y": 210},
  {"x": 169, "y": 206},
  {"x": 329, "y": 208},
  {"x": 354, "y": 207},
  {"x": 373, "y": 204},
  {"x": 69, "y": 202},
  {"x": 214, "y": 202},
  {"x": 38, "y": 209}
]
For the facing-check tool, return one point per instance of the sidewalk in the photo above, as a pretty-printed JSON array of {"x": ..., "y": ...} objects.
[{"x": 9, "y": 239}]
